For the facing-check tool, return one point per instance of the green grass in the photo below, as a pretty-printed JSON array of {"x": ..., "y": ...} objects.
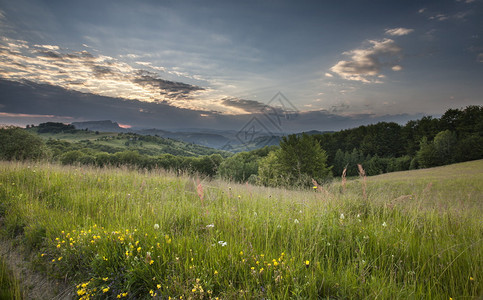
[
  {"x": 9, "y": 286},
  {"x": 120, "y": 233}
]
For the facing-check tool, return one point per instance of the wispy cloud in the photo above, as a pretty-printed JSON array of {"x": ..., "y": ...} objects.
[
  {"x": 14, "y": 115},
  {"x": 399, "y": 31},
  {"x": 365, "y": 65}
]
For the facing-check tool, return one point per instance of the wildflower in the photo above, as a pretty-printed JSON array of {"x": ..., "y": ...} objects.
[
  {"x": 223, "y": 244},
  {"x": 105, "y": 290},
  {"x": 241, "y": 252},
  {"x": 384, "y": 224},
  {"x": 156, "y": 226},
  {"x": 139, "y": 249},
  {"x": 216, "y": 272},
  {"x": 152, "y": 293},
  {"x": 42, "y": 255},
  {"x": 296, "y": 221},
  {"x": 471, "y": 278},
  {"x": 105, "y": 278},
  {"x": 342, "y": 217},
  {"x": 158, "y": 286},
  {"x": 307, "y": 263},
  {"x": 261, "y": 270},
  {"x": 210, "y": 225},
  {"x": 60, "y": 258},
  {"x": 275, "y": 263},
  {"x": 151, "y": 262}
]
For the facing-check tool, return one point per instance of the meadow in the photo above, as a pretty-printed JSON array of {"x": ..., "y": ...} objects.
[{"x": 115, "y": 233}]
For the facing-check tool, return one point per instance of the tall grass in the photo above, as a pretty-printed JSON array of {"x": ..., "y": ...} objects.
[
  {"x": 118, "y": 233},
  {"x": 9, "y": 285}
]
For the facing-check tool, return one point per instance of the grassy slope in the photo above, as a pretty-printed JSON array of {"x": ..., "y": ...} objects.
[
  {"x": 418, "y": 235},
  {"x": 147, "y": 147}
]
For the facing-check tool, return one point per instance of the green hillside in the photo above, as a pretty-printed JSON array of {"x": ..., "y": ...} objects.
[
  {"x": 112, "y": 142},
  {"x": 117, "y": 233}
]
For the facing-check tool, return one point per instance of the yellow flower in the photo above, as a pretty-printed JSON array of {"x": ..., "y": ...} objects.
[
  {"x": 307, "y": 263},
  {"x": 275, "y": 263},
  {"x": 60, "y": 258},
  {"x": 261, "y": 270},
  {"x": 158, "y": 286},
  {"x": 42, "y": 255},
  {"x": 216, "y": 272},
  {"x": 139, "y": 249},
  {"x": 105, "y": 290},
  {"x": 105, "y": 278},
  {"x": 151, "y": 262},
  {"x": 81, "y": 292},
  {"x": 241, "y": 252},
  {"x": 471, "y": 278}
]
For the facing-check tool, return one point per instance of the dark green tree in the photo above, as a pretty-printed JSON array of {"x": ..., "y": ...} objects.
[{"x": 18, "y": 144}]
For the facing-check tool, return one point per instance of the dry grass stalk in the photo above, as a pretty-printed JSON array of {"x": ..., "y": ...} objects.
[
  {"x": 362, "y": 174},
  {"x": 344, "y": 180},
  {"x": 427, "y": 189},
  {"x": 200, "y": 191},
  {"x": 319, "y": 188}
]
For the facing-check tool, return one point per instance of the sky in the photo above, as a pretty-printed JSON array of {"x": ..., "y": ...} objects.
[{"x": 291, "y": 65}]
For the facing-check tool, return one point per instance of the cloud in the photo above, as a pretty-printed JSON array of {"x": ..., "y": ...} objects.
[
  {"x": 396, "y": 68},
  {"x": 399, "y": 31},
  {"x": 170, "y": 89},
  {"x": 479, "y": 58},
  {"x": 366, "y": 64},
  {"x": 421, "y": 10},
  {"x": 248, "y": 106},
  {"x": 13, "y": 115},
  {"x": 439, "y": 17},
  {"x": 328, "y": 75},
  {"x": 86, "y": 72}
]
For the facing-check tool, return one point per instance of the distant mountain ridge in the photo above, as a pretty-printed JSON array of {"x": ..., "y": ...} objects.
[
  {"x": 213, "y": 138},
  {"x": 104, "y": 126}
]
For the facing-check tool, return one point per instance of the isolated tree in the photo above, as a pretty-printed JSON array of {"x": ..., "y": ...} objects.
[
  {"x": 18, "y": 144},
  {"x": 302, "y": 158}
]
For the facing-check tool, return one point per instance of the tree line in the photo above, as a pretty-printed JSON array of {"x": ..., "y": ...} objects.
[{"x": 380, "y": 148}]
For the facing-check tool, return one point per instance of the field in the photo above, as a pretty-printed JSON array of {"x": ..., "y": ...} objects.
[{"x": 124, "y": 234}]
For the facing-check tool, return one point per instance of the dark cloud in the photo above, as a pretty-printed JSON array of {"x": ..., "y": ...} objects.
[
  {"x": 251, "y": 106},
  {"x": 168, "y": 88},
  {"x": 31, "y": 98}
]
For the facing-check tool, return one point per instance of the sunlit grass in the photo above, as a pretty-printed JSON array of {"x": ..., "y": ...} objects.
[{"x": 125, "y": 234}]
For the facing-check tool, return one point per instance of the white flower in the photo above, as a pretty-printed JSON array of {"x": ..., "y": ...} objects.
[
  {"x": 358, "y": 215},
  {"x": 210, "y": 225},
  {"x": 384, "y": 224},
  {"x": 223, "y": 244},
  {"x": 296, "y": 221},
  {"x": 342, "y": 216},
  {"x": 156, "y": 226}
]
